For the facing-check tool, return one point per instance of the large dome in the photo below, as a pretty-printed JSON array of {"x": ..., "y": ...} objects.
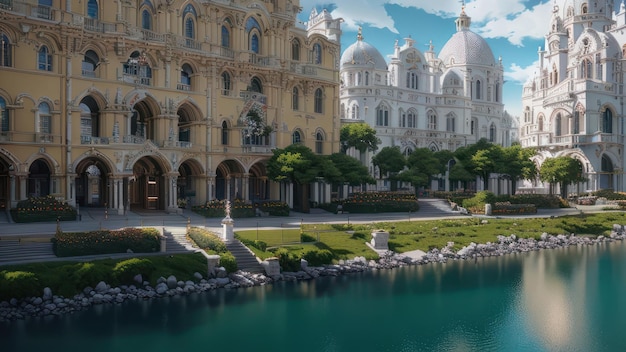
[
  {"x": 363, "y": 54},
  {"x": 467, "y": 48}
]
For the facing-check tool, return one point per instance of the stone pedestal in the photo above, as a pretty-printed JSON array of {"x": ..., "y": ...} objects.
[
  {"x": 271, "y": 266},
  {"x": 488, "y": 209},
  {"x": 228, "y": 225},
  {"x": 380, "y": 240},
  {"x": 213, "y": 261}
]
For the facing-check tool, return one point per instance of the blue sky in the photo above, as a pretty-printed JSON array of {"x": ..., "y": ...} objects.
[{"x": 514, "y": 29}]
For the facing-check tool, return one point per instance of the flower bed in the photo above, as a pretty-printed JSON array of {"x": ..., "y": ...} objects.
[
  {"x": 217, "y": 209},
  {"x": 586, "y": 201},
  {"x": 380, "y": 202},
  {"x": 43, "y": 209},
  {"x": 138, "y": 240},
  {"x": 506, "y": 208},
  {"x": 275, "y": 208}
]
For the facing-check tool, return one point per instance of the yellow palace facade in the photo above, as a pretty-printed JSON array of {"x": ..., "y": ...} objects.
[{"x": 141, "y": 103}]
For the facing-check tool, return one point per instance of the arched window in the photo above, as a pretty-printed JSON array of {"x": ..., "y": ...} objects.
[
  {"x": 92, "y": 9},
  {"x": 256, "y": 85},
  {"x": 45, "y": 126},
  {"x": 4, "y": 116},
  {"x": 319, "y": 143},
  {"x": 317, "y": 54},
  {"x": 44, "y": 59},
  {"x": 557, "y": 127},
  {"x": 318, "y": 101},
  {"x": 583, "y": 9},
  {"x": 254, "y": 43},
  {"x": 411, "y": 119},
  {"x": 296, "y": 138},
  {"x": 450, "y": 123},
  {"x": 367, "y": 78},
  {"x": 89, "y": 119},
  {"x": 184, "y": 126},
  {"x": 473, "y": 126},
  {"x": 5, "y": 50},
  {"x": 146, "y": 19},
  {"x": 411, "y": 80},
  {"x": 497, "y": 92},
  {"x": 189, "y": 18},
  {"x": 137, "y": 69},
  {"x": 432, "y": 120},
  {"x": 295, "y": 50},
  {"x": 492, "y": 133},
  {"x": 89, "y": 64},
  {"x": 478, "y": 89},
  {"x": 382, "y": 115},
  {"x": 225, "y": 83},
  {"x": 295, "y": 98},
  {"x": 226, "y": 36},
  {"x": 540, "y": 123},
  {"x": 185, "y": 77},
  {"x": 254, "y": 30},
  {"x": 607, "y": 121},
  {"x": 585, "y": 69},
  {"x": 224, "y": 133}
]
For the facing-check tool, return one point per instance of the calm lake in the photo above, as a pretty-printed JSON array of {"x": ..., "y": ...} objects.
[{"x": 561, "y": 300}]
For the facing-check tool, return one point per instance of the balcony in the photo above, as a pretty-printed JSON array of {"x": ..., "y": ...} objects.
[
  {"x": 183, "y": 87},
  {"x": 94, "y": 25},
  {"x": 184, "y": 42},
  {"x": 94, "y": 140},
  {"x": 133, "y": 139},
  {"x": 176, "y": 144}
]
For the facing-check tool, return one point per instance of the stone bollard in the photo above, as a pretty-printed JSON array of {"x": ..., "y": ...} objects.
[
  {"x": 380, "y": 240},
  {"x": 488, "y": 209},
  {"x": 163, "y": 243},
  {"x": 228, "y": 233},
  {"x": 271, "y": 266},
  {"x": 213, "y": 260}
]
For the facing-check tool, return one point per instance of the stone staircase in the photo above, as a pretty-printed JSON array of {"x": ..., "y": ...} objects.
[
  {"x": 176, "y": 240},
  {"x": 246, "y": 259},
  {"x": 25, "y": 250}
]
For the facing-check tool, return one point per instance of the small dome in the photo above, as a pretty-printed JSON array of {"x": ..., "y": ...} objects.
[
  {"x": 363, "y": 54},
  {"x": 467, "y": 48}
]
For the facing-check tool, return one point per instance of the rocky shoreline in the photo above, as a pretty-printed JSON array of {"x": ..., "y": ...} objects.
[{"x": 53, "y": 305}]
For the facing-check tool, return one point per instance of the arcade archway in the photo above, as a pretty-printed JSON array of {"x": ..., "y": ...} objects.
[
  {"x": 258, "y": 183},
  {"x": 229, "y": 180},
  {"x": 147, "y": 186},
  {"x": 92, "y": 183},
  {"x": 38, "y": 179},
  {"x": 188, "y": 181}
]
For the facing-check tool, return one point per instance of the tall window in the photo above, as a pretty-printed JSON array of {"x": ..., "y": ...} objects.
[
  {"x": 497, "y": 92},
  {"x": 585, "y": 69},
  {"x": 137, "y": 69},
  {"x": 44, "y": 118},
  {"x": 478, "y": 89},
  {"x": 557, "y": 127},
  {"x": 89, "y": 118},
  {"x": 432, "y": 120},
  {"x": 354, "y": 114},
  {"x": 492, "y": 133},
  {"x": 607, "y": 121},
  {"x": 318, "y": 101},
  {"x": 411, "y": 119},
  {"x": 411, "y": 80},
  {"x": 5, "y": 50},
  {"x": 474, "y": 126},
  {"x": 253, "y": 29},
  {"x": 294, "y": 98},
  {"x": 4, "y": 116},
  {"x": 540, "y": 123},
  {"x": 296, "y": 137},
  {"x": 89, "y": 64},
  {"x": 450, "y": 123},
  {"x": 382, "y": 115},
  {"x": 576, "y": 122},
  {"x": 254, "y": 43},
  {"x": 189, "y": 18},
  {"x": 185, "y": 77},
  {"x": 92, "y": 9},
  {"x": 319, "y": 143},
  {"x": 367, "y": 78},
  {"x": 295, "y": 50},
  {"x": 226, "y": 35},
  {"x": 225, "y": 83},
  {"x": 146, "y": 19},
  {"x": 256, "y": 85},
  {"x": 184, "y": 126},
  {"x": 317, "y": 54},
  {"x": 224, "y": 133},
  {"x": 44, "y": 59}
]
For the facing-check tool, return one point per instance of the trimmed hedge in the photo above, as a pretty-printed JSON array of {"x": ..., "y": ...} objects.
[
  {"x": 206, "y": 240},
  {"x": 125, "y": 271},
  {"x": 138, "y": 240},
  {"x": 513, "y": 209},
  {"x": 217, "y": 209},
  {"x": 38, "y": 209},
  {"x": 18, "y": 284}
]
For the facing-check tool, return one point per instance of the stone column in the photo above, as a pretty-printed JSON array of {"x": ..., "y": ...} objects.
[
  {"x": 23, "y": 188},
  {"x": 246, "y": 187}
]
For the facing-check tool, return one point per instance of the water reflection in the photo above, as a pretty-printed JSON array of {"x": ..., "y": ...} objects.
[{"x": 542, "y": 301}]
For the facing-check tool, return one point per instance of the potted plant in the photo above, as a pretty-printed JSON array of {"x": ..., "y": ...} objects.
[{"x": 182, "y": 203}]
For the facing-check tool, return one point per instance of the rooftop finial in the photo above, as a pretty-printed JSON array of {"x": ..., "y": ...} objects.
[
  {"x": 359, "y": 36},
  {"x": 462, "y": 6}
]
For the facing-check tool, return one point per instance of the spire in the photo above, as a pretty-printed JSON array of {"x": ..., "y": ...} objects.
[
  {"x": 463, "y": 21},
  {"x": 359, "y": 35}
]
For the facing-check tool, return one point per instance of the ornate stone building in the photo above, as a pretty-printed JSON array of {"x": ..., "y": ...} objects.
[
  {"x": 424, "y": 100},
  {"x": 574, "y": 105},
  {"x": 138, "y": 103}
]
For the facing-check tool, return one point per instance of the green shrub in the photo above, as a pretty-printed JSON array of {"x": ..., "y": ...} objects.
[
  {"x": 138, "y": 240},
  {"x": 318, "y": 257},
  {"x": 288, "y": 261},
  {"x": 539, "y": 200},
  {"x": 14, "y": 284},
  {"x": 45, "y": 208},
  {"x": 87, "y": 274},
  {"x": 610, "y": 194},
  {"x": 206, "y": 240},
  {"x": 275, "y": 208},
  {"x": 228, "y": 261},
  {"x": 126, "y": 270},
  {"x": 479, "y": 200}
]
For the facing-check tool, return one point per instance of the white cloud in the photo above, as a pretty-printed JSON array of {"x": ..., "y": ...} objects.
[
  {"x": 520, "y": 75},
  {"x": 494, "y": 18}
]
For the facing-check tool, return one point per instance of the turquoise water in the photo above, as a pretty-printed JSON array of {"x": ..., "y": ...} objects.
[{"x": 561, "y": 300}]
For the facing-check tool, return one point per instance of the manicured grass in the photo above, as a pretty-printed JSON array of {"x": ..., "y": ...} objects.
[
  {"x": 273, "y": 238},
  {"x": 70, "y": 278}
]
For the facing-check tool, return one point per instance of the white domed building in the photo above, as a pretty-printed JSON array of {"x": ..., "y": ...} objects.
[
  {"x": 421, "y": 100},
  {"x": 574, "y": 105}
]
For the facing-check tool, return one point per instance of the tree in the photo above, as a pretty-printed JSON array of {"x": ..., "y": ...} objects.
[
  {"x": 298, "y": 164},
  {"x": 517, "y": 164},
  {"x": 350, "y": 170},
  {"x": 358, "y": 135},
  {"x": 422, "y": 164},
  {"x": 484, "y": 162},
  {"x": 389, "y": 160},
  {"x": 563, "y": 170}
]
